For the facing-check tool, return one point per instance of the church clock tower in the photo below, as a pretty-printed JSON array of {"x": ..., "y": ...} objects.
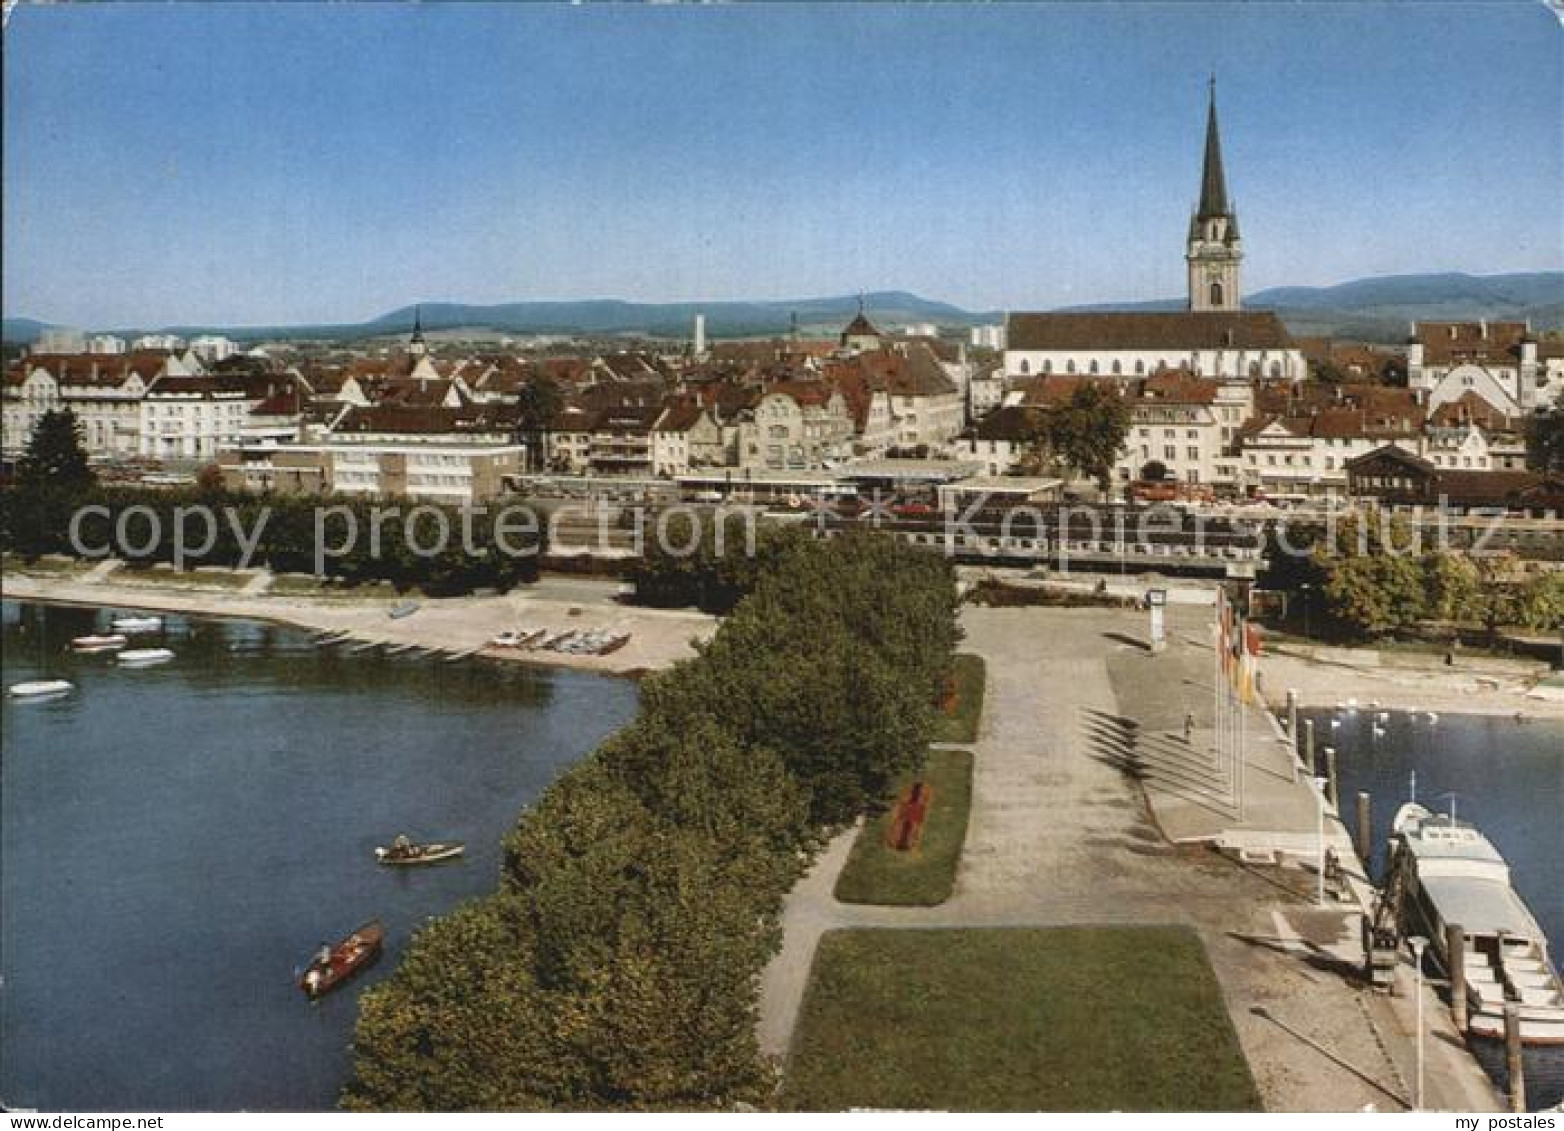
[{"x": 1214, "y": 247}]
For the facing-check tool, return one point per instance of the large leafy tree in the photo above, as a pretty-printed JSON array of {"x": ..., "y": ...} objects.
[
  {"x": 540, "y": 401},
  {"x": 55, "y": 456},
  {"x": 1085, "y": 433},
  {"x": 1541, "y": 603},
  {"x": 1545, "y": 441}
]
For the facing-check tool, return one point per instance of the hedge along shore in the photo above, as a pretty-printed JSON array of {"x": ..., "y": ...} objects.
[
  {"x": 659, "y": 637},
  {"x": 618, "y": 964}
]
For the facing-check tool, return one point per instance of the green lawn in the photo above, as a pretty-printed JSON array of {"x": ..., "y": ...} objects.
[
  {"x": 187, "y": 579},
  {"x": 924, "y": 876},
  {"x": 1072, "y": 1019},
  {"x": 304, "y": 585},
  {"x": 962, "y": 724}
]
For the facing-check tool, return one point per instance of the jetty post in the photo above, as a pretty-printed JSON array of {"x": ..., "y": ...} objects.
[
  {"x": 1455, "y": 953},
  {"x": 1309, "y": 760},
  {"x": 1292, "y": 719},
  {"x": 1330, "y": 778},
  {"x": 1365, "y": 829},
  {"x": 1515, "y": 1069}
]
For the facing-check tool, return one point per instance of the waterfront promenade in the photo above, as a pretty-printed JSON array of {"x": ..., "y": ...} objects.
[
  {"x": 659, "y": 637},
  {"x": 1060, "y": 835}
]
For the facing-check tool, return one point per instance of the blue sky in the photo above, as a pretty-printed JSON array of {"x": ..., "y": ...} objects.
[{"x": 234, "y": 164}]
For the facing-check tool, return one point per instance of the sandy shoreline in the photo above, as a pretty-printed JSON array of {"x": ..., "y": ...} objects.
[
  {"x": 658, "y": 637},
  {"x": 1473, "y": 690}
]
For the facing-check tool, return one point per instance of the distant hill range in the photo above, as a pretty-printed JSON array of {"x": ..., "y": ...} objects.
[
  {"x": 1368, "y": 309},
  {"x": 1382, "y": 309}
]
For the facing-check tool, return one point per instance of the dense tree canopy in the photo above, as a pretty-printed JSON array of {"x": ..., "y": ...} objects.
[
  {"x": 1084, "y": 434},
  {"x": 618, "y": 965}
]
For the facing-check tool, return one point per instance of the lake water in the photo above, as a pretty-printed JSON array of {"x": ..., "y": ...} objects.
[
  {"x": 176, "y": 840},
  {"x": 1508, "y": 780}
]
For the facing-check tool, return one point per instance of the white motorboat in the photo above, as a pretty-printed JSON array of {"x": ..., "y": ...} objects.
[
  {"x": 1445, "y": 872},
  {"x": 41, "y": 688},
  {"x": 111, "y": 642},
  {"x": 137, "y": 624},
  {"x": 142, "y": 657}
]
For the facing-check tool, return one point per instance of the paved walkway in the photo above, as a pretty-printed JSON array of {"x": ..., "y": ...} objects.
[{"x": 1059, "y": 835}]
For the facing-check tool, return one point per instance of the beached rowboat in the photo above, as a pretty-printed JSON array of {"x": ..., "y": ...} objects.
[
  {"x": 109, "y": 643},
  {"x": 137, "y": 624}
]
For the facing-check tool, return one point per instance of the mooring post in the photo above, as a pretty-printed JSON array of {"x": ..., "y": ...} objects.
[
  {"x": 1309, "y": 761},
  {"x": 1365, "y": 830},
  {"x": 1515, "y": 1070},
  {"x": 1292, "y": 717},
  {"x": 1455, "y": 953},
  {"x": 1330, "y": 778}
]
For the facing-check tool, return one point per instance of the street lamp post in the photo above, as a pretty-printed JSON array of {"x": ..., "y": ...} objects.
[
  {"x": 1319, "y": 860},
  {"x": 1418, "y": 942}
]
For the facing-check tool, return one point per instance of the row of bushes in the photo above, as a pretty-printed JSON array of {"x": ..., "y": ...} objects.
[
  {"x": 1369, "y": 577},
  {"x": 296, "y": 534},
  {"x": 617, "y": 965}
]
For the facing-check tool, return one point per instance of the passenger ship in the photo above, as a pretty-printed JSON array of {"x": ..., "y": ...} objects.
[{"x": 1444, "y": 871}]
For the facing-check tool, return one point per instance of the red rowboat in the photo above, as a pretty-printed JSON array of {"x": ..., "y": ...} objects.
[{"x": 336, "y": 964}]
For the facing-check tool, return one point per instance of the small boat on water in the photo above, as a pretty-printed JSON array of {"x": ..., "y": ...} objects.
[
  {"x": 111, "y": 642},
  {"x": 143, "y": 657},
  {"x": 134, "y": 624},
  {"x": 334, "y": 965},
  {"x": 41, "y": 688},
  {"x": 510, "y": 638},
  {"x": 1444, "y": 872},
  {"x": 403, "y": 609},
  {"x": 405, "y": 852}
]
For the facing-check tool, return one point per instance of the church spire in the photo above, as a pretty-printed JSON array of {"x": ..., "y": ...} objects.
[
  {"x": 1213, "y": 184},
  {"x": 415, "y": 344},
  {"x": 1214, "y": 251}
]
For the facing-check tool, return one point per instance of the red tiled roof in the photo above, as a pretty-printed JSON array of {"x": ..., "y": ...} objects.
[
  {"x": 1478, "y": 343},
  {"x": 1177, "y": 331},
  {"x": 391, "y": 418}
]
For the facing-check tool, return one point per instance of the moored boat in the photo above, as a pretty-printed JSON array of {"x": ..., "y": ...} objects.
[
  {"x": 111, "y": 642},
  {"x": 41, "y": 688},
  {"x": 141, "y": 657},
  {"x": 1446, "y": 873},
  {"x": 405, "y": 852},
  {"x": 132, "y": 624},
  {"x": 334, "y": 965}
]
